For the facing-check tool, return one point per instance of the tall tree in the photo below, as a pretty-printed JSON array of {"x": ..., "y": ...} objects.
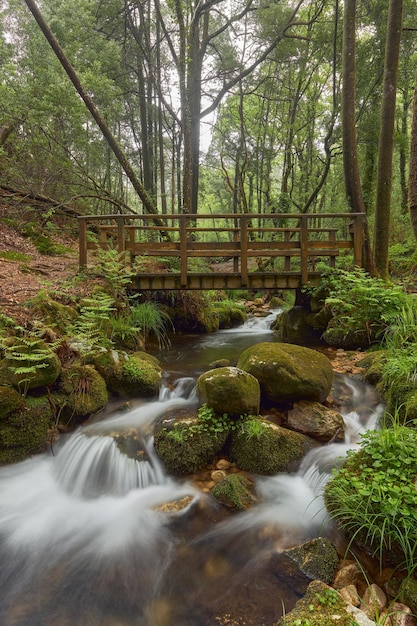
[
  {"x": 350, "y": 151},
  {"x": 386, "y": 138},
  {"x": 412, "y": 183}
]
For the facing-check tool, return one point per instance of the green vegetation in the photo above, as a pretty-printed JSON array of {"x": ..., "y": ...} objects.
[
  {"x": 363, "y": 308},
  {"x": 373, "y": 496},
  {"x": 14, "y": 255}
]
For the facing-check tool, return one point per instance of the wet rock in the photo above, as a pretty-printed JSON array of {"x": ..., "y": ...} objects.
[
  {"x": 314, "y": 560},
  {"x": 359, "y": 616},
  {"x": 288, "y": 373},
  {"x": 186, "y": 448},
  {"x": 316, "y": 421},
  {"x": 135, "y": 375},
  {"x": 229, "y": 390},
  {"x": 262, "y": 447},
  {"x": 235, "y": 491},
  {"x": 299, "y": 326}
]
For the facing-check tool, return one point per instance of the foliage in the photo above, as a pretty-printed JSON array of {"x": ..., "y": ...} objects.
[
  {"x": 361, "y": 305},
  {"x": 150, "y": 318},
  {"x": 92, "y": 322},
  {"x": 14, "y": 255},
  {"x": 117, "y": 274},
  {"x": 373, "y": 496},
  {"x": 25, "y": 357}
]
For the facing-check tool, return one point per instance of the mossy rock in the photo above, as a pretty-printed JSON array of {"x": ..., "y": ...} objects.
[
  {"x": 229, "y": 314},
  {"x": 298, "y": 326},
  {"x": 10, "y": 400},
  {"x": 24, "y": 431},
  {"x": 235, "y": 491},
  {"x": 262, "y": 447},
  {"x": 288, "y": 373},
  {"x": 320, "y": 606},
  {"x": 136, "y": 375},
  {"x": 314, "y": 560},
  {"x": 185, "y": 448},
  {"x": 229, "y": 390},
  {"x": 348, "y": 340},
  {"x": 82, "y": 392},
  {"x": 373, "y": 364},
  {"x": 29, "y": 364}
]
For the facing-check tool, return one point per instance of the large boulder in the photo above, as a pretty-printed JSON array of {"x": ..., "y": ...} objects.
[
  {"x": 316, "y": 421},
  {"x": 229, "y": 390},
  {"x": 262, "y": 447},
  {"x": 288, "y": 373},
  {"x": 135, "y": 375},
  {"x": 185, "y": 446}
]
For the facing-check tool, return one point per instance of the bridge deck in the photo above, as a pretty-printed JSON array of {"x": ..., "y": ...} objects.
[{"x": 287, "y": 245}]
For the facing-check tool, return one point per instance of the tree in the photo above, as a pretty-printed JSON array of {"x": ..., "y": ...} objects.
[
  {"x": 412, "y": 183},
  {"x": 386, "y": 138},
  {"x": 350, "y": 152}
]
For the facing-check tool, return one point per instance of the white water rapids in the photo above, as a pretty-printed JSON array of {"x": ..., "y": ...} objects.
[{"x": 84, "y": 542}]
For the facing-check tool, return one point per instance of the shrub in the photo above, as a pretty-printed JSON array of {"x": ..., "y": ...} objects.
[{"x": 373, "y": 495}]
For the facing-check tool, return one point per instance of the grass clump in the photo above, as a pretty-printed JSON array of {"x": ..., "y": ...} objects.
[{"x": 373, "y": 496}]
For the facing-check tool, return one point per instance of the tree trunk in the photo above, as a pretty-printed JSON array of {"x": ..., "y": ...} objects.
[
  {"x": 350, "y": 151},
  {"x": 386, "y": 138},
  {"x": 412, "y": 182}
]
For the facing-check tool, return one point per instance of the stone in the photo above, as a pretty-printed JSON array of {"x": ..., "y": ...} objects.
[
  {"x": 314, "y": 560},
  {"x": 399, "y": 614},
  {"x": 359, "y": 616},
  {"x": 316, "y": 421},
  {"x": 235, "y": 491},
  {"x": 262, "y": 447},
  {"x": 229, "y": 390},
  {"x": 350, "y": 595},
  {"x": 374, "y": 601},
  {"x": 288, "y": 373},
  {"x": 348, "y": 574}
]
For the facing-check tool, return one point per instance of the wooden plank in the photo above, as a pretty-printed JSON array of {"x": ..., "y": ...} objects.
[{"x": 83, "y": 243}]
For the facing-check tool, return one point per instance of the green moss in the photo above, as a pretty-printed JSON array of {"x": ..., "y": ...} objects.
[
  {"x": 137, "y": 375},
  {"x": 235, "y": 491},
  {"x": 10, "y": 400},
  {"x": 288, "y": 373},
  {"x": 408, "y": 593},
  {"x": 184, "y": 448},
  {"x": 321, "y": 606},
  {"x": 230, "y": 390},
  {"x": 82, "y": 392},
  {"x": 261, "y": 447},
  {"x": 24, "y": 431}
]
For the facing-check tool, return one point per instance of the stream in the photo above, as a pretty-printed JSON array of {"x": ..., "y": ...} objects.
[{"x": 88, "y": 538}]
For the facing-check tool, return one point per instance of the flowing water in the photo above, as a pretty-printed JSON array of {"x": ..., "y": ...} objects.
[{"x": 91, "y": 536}]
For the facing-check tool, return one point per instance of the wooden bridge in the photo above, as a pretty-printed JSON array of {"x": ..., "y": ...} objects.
[{"x": 249, "y": 251}]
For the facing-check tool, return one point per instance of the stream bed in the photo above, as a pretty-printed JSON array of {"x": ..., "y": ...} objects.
[{"x": 87, "y": 538}]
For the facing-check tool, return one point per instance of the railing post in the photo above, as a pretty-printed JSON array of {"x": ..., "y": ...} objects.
[
  {"x": 358, "y": 240},
  {"x": 287, "y": 259},
  {"x": 183, "y": 249},
  {"x": 120, "y": 235},
  {"x": 244, "y": 250},
  {"x": 83, "y": 243},
  {"x": 304, "y": 249}
]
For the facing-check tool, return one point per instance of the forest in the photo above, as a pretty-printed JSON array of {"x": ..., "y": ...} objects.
[{"x": 214, "y": 107}]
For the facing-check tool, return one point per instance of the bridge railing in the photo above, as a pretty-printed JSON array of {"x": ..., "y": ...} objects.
[{"x": 289, "y": 243}]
